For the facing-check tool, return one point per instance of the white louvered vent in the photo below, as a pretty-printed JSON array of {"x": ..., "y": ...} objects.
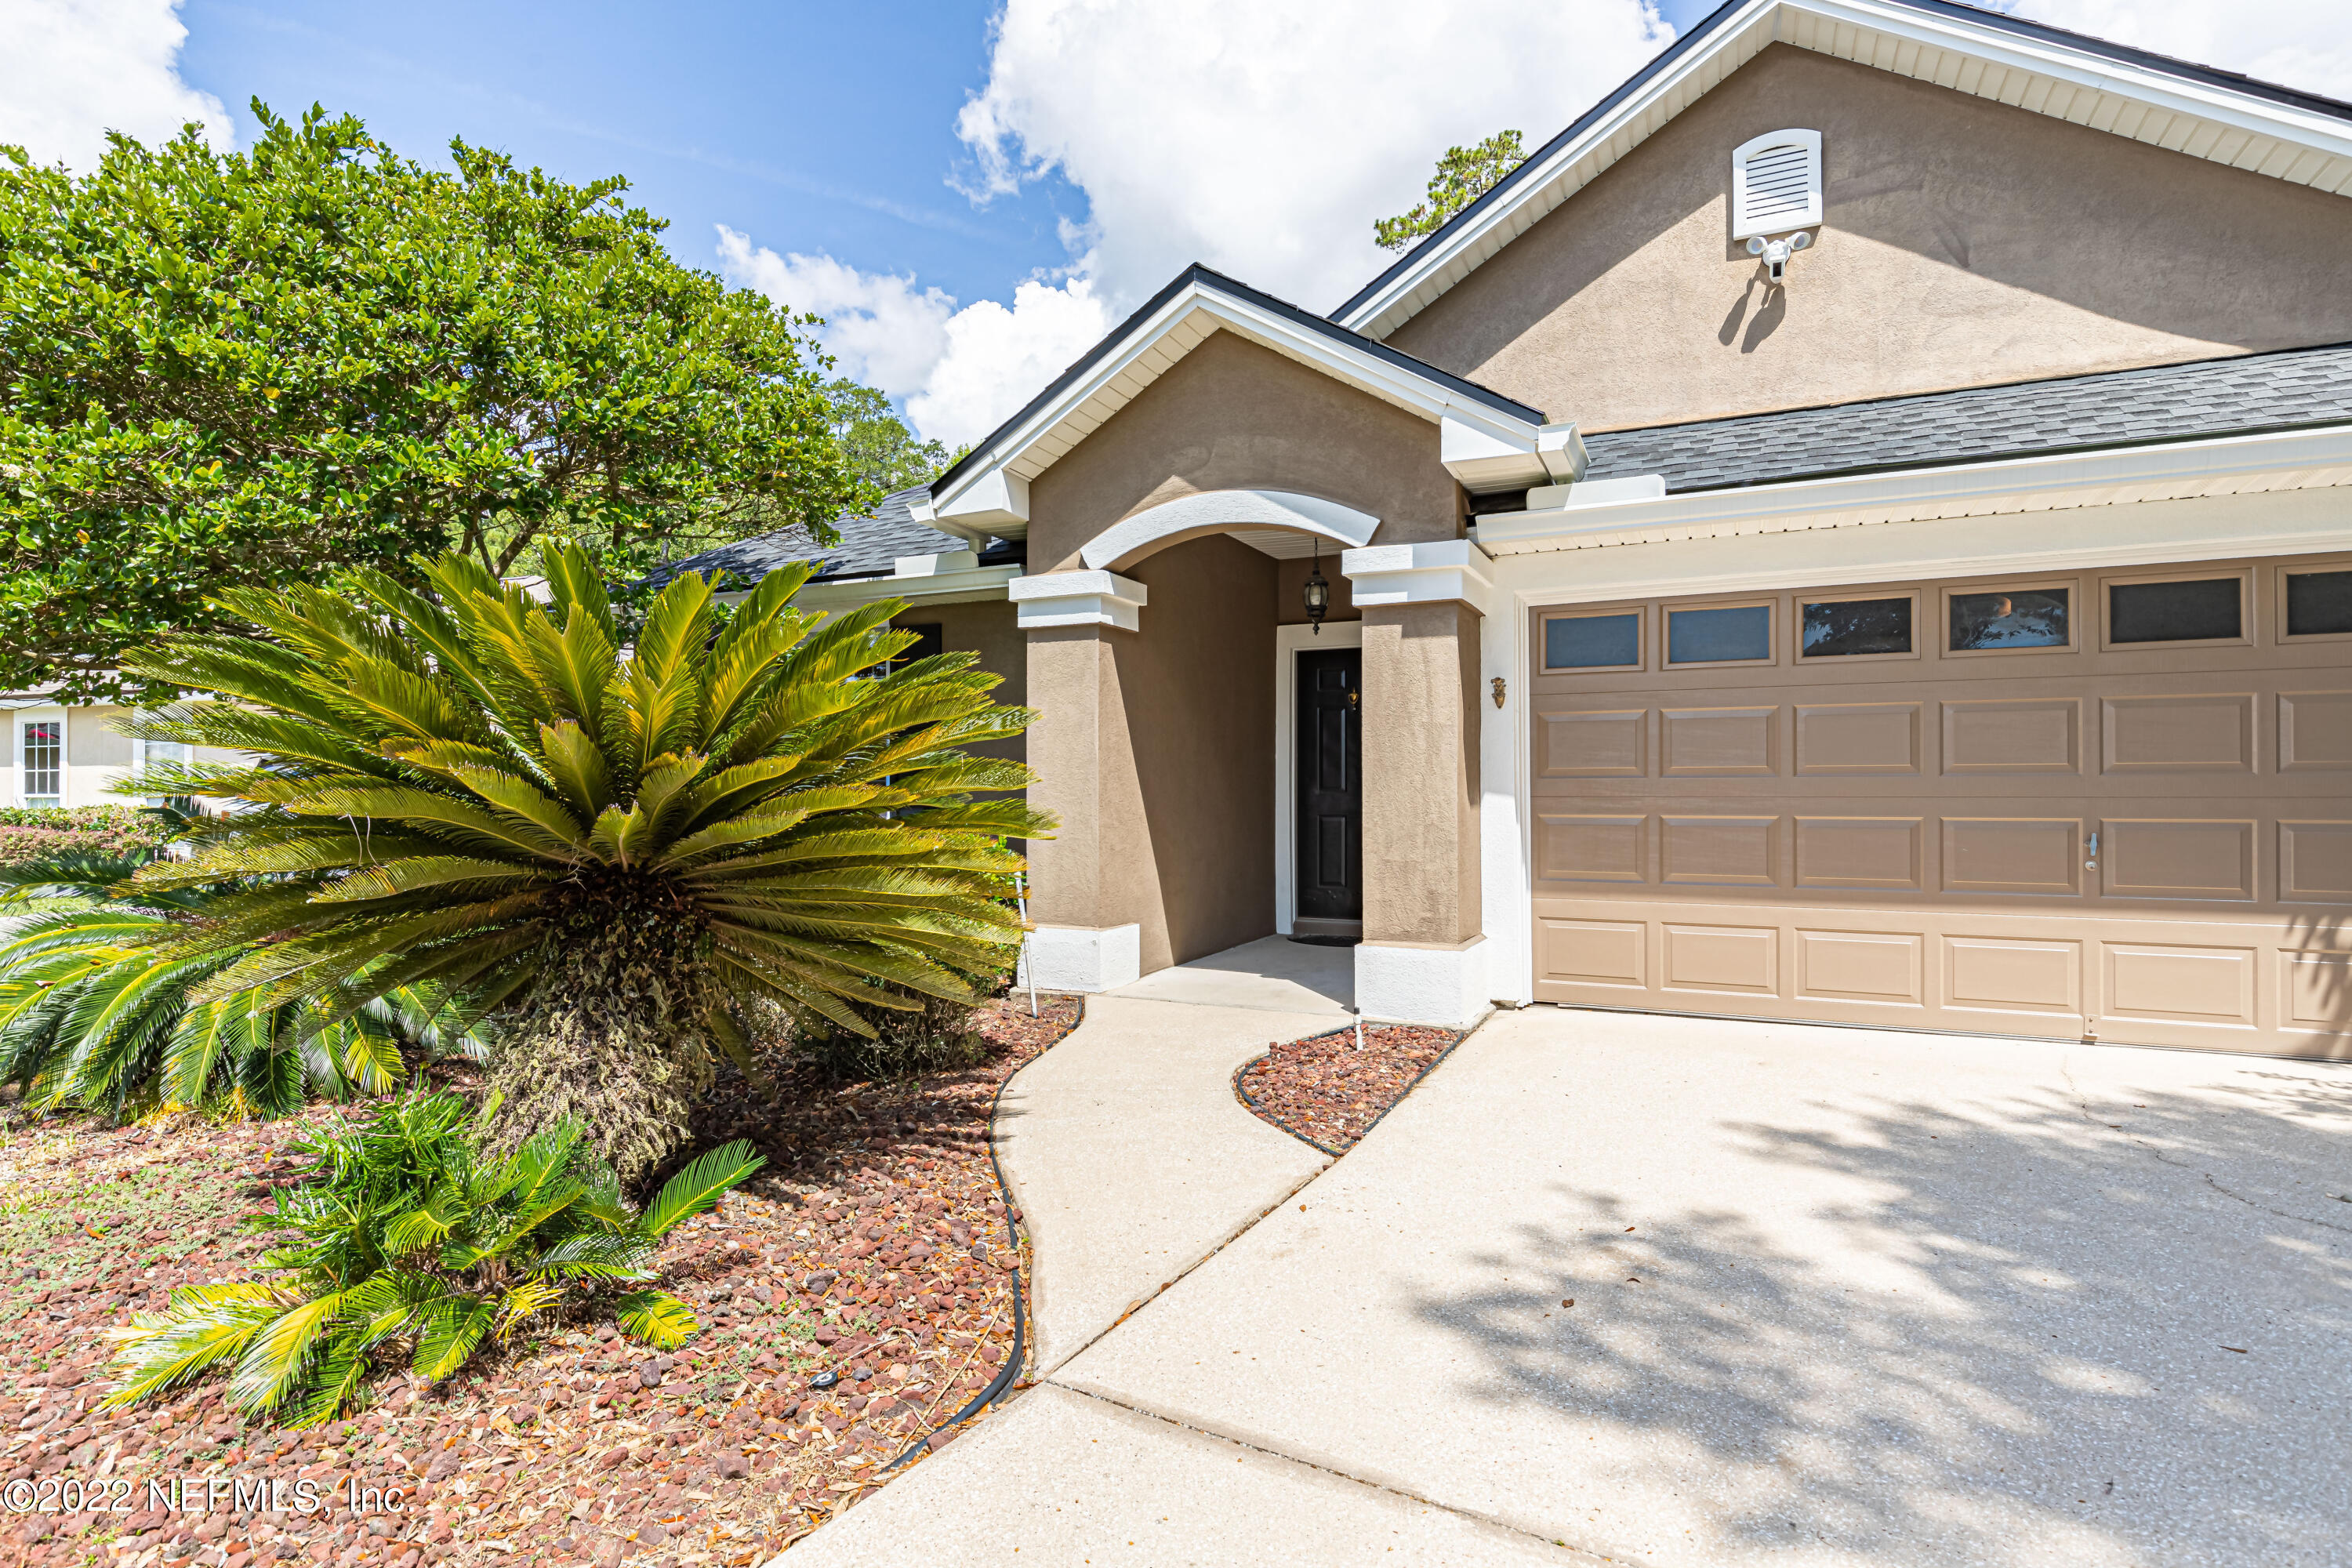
[{"x": 1776, "y": 183}]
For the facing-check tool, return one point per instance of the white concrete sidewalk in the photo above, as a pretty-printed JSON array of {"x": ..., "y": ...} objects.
[{"x": 1273, "y": 973}]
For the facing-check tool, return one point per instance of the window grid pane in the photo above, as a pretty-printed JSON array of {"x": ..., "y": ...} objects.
[
  {"x": 1733, "y": 634},
  {"x": 44, "y": 761}
]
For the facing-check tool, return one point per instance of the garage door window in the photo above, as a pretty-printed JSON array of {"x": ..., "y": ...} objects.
[
  {"x": 1593, "y": 642},
  {"x": 1855, "y": 628},
  {"x": 2193, "y": 609},
  {"x": 1720, "y": 634},
  {"x": 1989, "y": 620},
  {"x": 2319, "y": 604}
]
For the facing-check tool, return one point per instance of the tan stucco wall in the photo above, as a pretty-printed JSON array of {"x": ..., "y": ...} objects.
[
  {"x": 1966, "y": 242},
  {"x": 1232, "y": 416},
  {"x": 991, "y": 630},
  {"x": 1421, "y": 774},
  {"x": 1156, "y": 750}
]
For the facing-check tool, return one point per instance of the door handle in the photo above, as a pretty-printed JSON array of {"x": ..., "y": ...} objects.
[{"x": 2090, "y": 851}]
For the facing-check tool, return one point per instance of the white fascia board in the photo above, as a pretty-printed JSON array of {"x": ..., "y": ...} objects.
[
  {"x": 1435, "y": 571},
  {"x": 982, "y": 496},
  {"x": 1870, "y": 33},
  {"x": 1484, "y": 459},
  {"x": 1078, "y": 599},
  {"x": 993, "y": 499},
  {"x": 935, "y": 565},
  {"x": 2301, "y": 459}
]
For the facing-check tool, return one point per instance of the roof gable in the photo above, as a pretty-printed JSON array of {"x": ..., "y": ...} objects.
[
  {"x": 2194, "y": 110},
  {"x": 986, "y": 492}
]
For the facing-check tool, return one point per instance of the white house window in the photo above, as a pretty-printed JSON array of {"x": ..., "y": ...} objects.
[
  {"x": 43, "y": 762},
  {"x": 1776, "y": 183}
]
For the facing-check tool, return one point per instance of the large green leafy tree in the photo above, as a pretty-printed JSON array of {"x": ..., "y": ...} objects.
[
  {"x": 623, "y": 851},
  {"x": 246, "y": 369},
  {"x": 1464, "y": 174},
  {"x": 876, "y": 442}
]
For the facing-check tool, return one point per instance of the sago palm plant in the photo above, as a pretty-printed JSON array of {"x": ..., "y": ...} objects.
[
  {"x": 99, "y": 1007},
  {"x": 409, "y": 1234},
  {"x": 619, "y": 848}
]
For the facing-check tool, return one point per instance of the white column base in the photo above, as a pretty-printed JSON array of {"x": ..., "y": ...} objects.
[
  {"x": 1084, "y": 958},
  {"x": 1418, "y": 983}
]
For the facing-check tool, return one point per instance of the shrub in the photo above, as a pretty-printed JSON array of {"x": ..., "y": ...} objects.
[
  {"x": 411, "y": 1234},
  {"x": 939, "y": 1034},
  {"x": 39, "y": 833}
]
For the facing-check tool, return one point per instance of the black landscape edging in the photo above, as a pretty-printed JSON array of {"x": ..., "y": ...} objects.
[{"x": 1012, "y": 1370}]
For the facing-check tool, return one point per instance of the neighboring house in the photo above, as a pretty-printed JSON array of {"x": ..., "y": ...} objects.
[
  {"x": 1945, "y": 624},
  {"x": 55, "y": 755}
]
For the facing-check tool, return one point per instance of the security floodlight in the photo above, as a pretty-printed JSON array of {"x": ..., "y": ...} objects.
[{"x": 1775, "y": 252}]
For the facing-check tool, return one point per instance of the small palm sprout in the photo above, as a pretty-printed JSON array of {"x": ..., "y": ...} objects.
[
  {"x": 408, "y": 1234},
  {"x": 619, "y": 855}
]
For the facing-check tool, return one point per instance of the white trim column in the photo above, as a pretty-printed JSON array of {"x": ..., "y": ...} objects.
[{"x": 1078, "y": 599}]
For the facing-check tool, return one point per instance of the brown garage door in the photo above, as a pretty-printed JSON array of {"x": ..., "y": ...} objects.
[{"x": 2118, "y": 802}]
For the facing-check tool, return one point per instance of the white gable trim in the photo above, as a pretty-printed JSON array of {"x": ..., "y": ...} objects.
[
  {"x": 2045, "y": 75},
  {"x": 1130, "y": 538},
  {"x": 993, "y": 496}
]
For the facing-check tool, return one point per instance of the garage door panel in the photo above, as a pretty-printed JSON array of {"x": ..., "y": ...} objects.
[
  {"x": 2174, "y": 983},
  {"x": 2316, "y": 862},
  {"x": 2035, "y": 856},
  {"x": 1887, "y": 968},
  {"x": 1911, "y": 839},
  {"x": 1718, "y": 851},
  {"x": 2315, "y": 732},
  {"x": 1600, "y": 743},
  {"x": 1991, "y": 737},
  {"x": 1743, "y": 958},
  {"x": 2178, "y": 733},
  {"x": 1837, "y": 740},
  {"x": 1720, "y": 742},
  {"x": 2013, "y": 974},
  {"x": 2162, "y": 857},
  {"x": 1574, "y": 848},
  {"x": 1875, "y": 852}
]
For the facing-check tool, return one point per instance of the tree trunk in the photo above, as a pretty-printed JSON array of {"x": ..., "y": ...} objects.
[{"x": 611, "y": 1038}]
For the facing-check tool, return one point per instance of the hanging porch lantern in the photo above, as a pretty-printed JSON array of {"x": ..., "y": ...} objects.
[{"x": 1319, "y": 593}]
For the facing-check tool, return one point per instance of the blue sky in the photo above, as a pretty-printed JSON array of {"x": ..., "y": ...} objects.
[
  {"x": 816, "y": 128},
  {"x": 969, "y": 192}
]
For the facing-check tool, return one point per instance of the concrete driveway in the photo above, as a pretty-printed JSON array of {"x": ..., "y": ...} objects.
[{"x": 1840, "y": 1297}]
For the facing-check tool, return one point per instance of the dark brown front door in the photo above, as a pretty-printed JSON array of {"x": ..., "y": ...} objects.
[{"x": 1330, "y": 787}]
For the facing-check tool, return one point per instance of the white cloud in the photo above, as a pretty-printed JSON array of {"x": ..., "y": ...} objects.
[
  {"x": 1261, "y": 137},
  {"x": 1264, "y": 139},
  {"x": 2304, "y": 44},
  {"x": 71, "y": 70}
]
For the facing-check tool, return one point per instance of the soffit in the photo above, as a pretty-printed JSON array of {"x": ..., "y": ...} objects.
[{"x": 2288, "y": 136}]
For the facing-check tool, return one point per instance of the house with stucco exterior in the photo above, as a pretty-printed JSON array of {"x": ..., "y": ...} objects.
[{"x": 1857, "y": 527}]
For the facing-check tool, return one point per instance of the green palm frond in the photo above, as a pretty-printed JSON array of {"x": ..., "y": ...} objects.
[
  {"x": 515, "y": 807},
  {"x": 695, "y": 1188}
]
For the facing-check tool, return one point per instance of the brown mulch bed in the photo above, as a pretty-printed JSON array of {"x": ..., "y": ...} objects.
[
  {"x": 1323, "y": 1091},
  {"x": 875, "y": 1246}
]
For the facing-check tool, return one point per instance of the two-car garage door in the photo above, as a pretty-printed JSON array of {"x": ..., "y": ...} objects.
[{"x": 2117, "y": 803}]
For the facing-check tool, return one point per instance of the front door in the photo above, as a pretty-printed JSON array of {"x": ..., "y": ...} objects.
[{"x": 1331, "y": 793}]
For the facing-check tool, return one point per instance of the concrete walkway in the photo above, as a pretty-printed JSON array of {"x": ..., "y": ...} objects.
[
  {"x": 1273, "y": 973},
  {"x": 1130, "y": 1157},
  {"x": 1841, "y": 1298}
]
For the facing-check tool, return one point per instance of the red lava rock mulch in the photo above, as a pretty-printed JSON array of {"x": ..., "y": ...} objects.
[
  {"x": 875, "y": 1246},
  {"x": 1323, "y": 1090}
]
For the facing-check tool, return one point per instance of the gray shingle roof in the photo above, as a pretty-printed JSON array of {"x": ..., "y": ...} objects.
[
  {"x": 868, "y": 545},
  {"x": 2233, "y": 397}
]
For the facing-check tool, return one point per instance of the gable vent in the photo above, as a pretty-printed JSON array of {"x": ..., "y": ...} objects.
[{"x": 1776, "y": 183}]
